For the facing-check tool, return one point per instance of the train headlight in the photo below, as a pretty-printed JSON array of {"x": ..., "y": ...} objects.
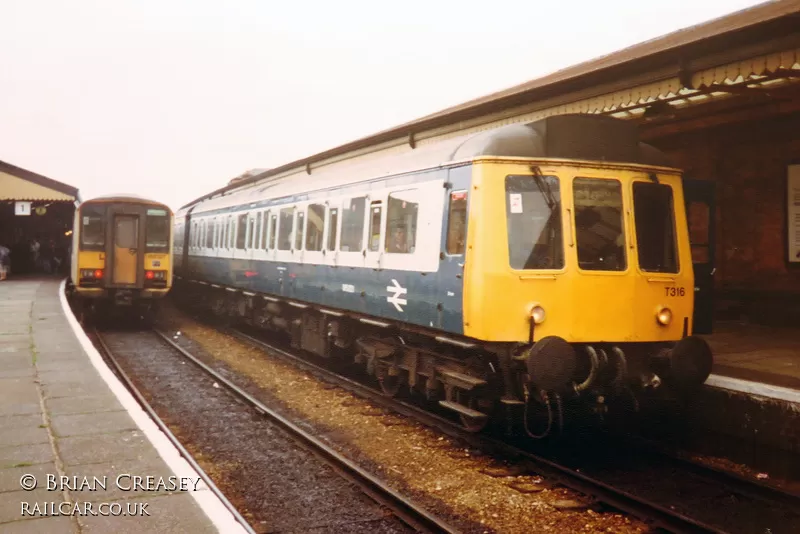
[
  {"x": 664, "y": 316},
  {"x": 537, "y": 314}
]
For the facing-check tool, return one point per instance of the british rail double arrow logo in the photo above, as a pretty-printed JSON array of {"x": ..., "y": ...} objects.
[{"x": 395, "y": 299}]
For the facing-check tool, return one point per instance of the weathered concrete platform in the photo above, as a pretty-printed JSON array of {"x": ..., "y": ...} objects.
[
  {"x": 768, "y": 355},
  {"x": 62, "y": 416}
]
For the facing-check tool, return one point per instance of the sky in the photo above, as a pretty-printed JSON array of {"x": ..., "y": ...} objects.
[{"x": 170, "y": 99}]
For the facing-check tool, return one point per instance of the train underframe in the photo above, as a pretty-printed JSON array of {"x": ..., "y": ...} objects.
[
  {"x": 540, "y": 389},
  {"x": 106, "y": 305}
]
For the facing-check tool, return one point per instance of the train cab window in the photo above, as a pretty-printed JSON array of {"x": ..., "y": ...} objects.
[
  {"x": 315, "y": 227},
  {"x": 93, "y": 227},
  {"x": 375, "y": 226},
  {"x": 273, "y": 235},
  {"x": 285, "y": 229},
  {"x": 653, "y": 211},
  {"x": 156, "y": 231},
  {"x": 457, "y": 223},
  {"x": 352, "y": 239},
  {"x": 333, "y": 226},
  {"x": 401, "y": 221},
  {"x": 533, "y": 221},
  {"x": 241, "y": 232},
  {"x": 299, "y": 230},
  {"x": 599, "y": 227}
]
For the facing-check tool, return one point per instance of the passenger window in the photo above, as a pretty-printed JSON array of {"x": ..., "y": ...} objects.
[
  {"x": 264, "y": 227},
  {"x": 299, "y": 231},
  {"x": 273, "y": 236},
  {"x": 352, "y": 239},
  {"x": 533, "y": 220},
  {"x": 333, "y": 226},
  {"x": 401, "y": 221},
  {"x": 241, "y": 233},
  {"x": 285, "y": 229},
  {"x": 599, "y": 229},
  {"x": 375, "y": 227},
  {"x": 210, "y": 235},
  {"x": 457, "y": 223},
  {"x": 316, "y": 227}
]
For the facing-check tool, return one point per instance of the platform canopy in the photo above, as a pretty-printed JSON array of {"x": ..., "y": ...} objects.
[{"x": 22, "y": 185}]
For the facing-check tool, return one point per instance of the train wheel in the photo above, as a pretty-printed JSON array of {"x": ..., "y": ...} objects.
[{"x": 390, "y": 385}]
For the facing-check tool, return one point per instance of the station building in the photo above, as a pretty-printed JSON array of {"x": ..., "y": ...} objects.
[{"x": 34, "y": 207}]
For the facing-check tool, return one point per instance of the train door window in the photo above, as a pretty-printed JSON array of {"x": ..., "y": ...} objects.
[
  {"x": 231, "y": 231},
  {"x": 251, "y": 231},
  {"x": 401, "y": 221},
  {"x": 457, "y": 223},
  {"x": 375, "y": 226},
  {"x": 241, "y": 232},
  {"x": 300, "y": 228},
  {"x": 264, "y": 223},
  {"x": 315, "y": 227},
  {"x": 333, "y": 226},
  {"x": 599, "y": 228},
  {"x": 93, "y": 227},
  {"x": 210, "y": 235},
  {"x": 533, "y": 222},
  {"x": 285, "y": 229},
  {"x": 273, "y": 234},
  {"x": 217, "y": 232},
  {"x": 654, "y": 212},
  {"x": 256, "y": 241},
  {"x": 223, "y": 233},
  {"x": 352, "y": 239}
]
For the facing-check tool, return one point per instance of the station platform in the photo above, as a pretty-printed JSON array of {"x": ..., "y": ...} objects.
[
  {"x": 755, "y": 359},
  {"x": 69, "y": 428}
]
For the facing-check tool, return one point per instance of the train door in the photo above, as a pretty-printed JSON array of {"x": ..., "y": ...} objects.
[
  {"x": 699, "y": 196},
  {"x": 126, "y": 249}
]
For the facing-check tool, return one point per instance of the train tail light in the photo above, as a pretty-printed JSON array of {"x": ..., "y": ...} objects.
[
  {"x": 95, "y": 274},
  {"x": 155, "y": 275}
]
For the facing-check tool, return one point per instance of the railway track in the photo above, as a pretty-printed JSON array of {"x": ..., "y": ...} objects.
[
  {"x": 404, "y": 510},
  {"x": 591, "y": 481}
]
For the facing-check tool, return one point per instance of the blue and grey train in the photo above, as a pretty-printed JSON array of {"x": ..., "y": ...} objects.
[{"x": 516, "y": 270}]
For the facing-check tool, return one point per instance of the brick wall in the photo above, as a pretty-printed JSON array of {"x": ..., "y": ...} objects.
[{"x": 748, "y": 162}]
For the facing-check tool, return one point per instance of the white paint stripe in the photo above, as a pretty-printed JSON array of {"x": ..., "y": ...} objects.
[
  {"x": 219, "y": 515},
  {"x": 754, "y": 388}
]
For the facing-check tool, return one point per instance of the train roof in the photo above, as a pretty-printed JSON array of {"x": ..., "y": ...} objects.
[
  {"x": 124, "y": 197},
  {"x": 576, "y": 136}
]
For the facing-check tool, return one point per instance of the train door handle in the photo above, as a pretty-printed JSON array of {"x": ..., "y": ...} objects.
[{"x": 132, "y": 250}]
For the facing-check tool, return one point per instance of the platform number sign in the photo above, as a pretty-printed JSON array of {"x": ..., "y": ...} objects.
[
  {"x": 793, "y": 213},
  {"x": 22, "y": 208}
]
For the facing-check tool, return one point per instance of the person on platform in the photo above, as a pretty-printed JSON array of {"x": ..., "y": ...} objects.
[{"x": 5, "y": 261}]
